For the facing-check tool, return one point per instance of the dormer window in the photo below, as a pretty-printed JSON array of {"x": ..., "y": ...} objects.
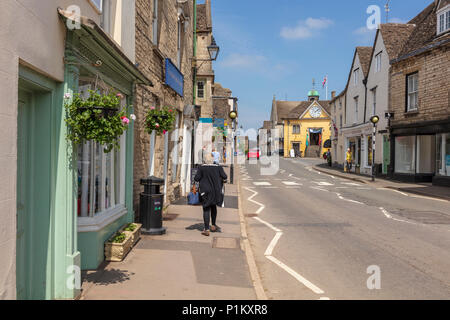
[{"x": 443, "y": 20}]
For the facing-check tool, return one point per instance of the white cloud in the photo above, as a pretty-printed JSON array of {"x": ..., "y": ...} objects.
[
  {"x": 237, "y": 60},
  {"x": 397, "y": 20},
  {"x": 305, "y": 29},
  {"x": 365, "y": 35}
]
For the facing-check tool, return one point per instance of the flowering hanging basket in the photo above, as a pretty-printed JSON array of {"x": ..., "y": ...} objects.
[
  {"x": 97, "y": 118},
  {"x": 160, "y": 121}
]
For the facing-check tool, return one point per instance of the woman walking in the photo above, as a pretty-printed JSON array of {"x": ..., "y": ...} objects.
[{"x": 211, "y": 177}]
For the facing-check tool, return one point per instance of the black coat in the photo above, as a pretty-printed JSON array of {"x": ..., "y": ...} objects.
[{"x": 211, "y": 177}]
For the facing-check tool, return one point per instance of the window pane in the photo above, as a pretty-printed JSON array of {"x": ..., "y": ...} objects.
[
  {"x": 98, "y": 4},
  {"x": 425, "y": 154},
  {"x": 405, "y": 154},
  {"x": 117, "y": 177},
  {"x": 98, "y": 178},
  {"x": 84, "y": 180},
  {"x": 108, "y": 179}
]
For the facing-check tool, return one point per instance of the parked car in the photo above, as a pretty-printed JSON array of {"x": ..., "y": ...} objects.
[{"x": 253, "y": 153}]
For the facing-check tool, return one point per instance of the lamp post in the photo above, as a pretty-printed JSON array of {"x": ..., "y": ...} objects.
[
  {"x": 233, "y": 115},
  {"x": 374, "y": 120}
]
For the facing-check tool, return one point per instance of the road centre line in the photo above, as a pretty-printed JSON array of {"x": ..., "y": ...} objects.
[{"x": 388, "y": 215}]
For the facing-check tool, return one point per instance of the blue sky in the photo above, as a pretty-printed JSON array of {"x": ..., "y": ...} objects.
[{"x": 277, "y": 47}]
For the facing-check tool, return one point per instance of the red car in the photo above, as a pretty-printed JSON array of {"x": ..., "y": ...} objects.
[{"x": 253, "y": 153}]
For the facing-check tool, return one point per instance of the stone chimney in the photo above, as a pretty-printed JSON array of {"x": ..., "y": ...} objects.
[
  {"x": 208, "y": 13},
  {"x": 333, "y": 95}
]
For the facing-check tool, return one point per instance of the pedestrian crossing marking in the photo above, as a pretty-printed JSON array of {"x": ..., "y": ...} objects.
[
  {"x": 322, "y": 183},
  {"x": 352, "y": 184},
  {"x": 262, "y": 183},
  {"x": 290, "y": 183}
]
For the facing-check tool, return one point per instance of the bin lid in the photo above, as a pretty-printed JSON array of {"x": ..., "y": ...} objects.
[{"x": 152, "y": 180}]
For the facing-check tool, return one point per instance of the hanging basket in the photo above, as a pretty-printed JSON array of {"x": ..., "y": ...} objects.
[
  {"x": 160, "y": 121},
  {"x": 97, "y": 118}
]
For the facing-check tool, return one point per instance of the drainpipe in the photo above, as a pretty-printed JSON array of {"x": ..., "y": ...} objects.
[
  {"x": 365, "y": 99},
  {"x": 194, "y": 98}
]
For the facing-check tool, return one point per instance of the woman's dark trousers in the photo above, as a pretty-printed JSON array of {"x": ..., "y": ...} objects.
[{"x": 208, "y": 212}]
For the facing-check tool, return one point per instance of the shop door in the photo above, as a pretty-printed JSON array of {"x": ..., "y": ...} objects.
[
  {"x": 386, "y": 153},
  {"x": 33, "y": 201}
]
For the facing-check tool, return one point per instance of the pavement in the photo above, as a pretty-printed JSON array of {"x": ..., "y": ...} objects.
[
  {"x": 319, "y": 236},
  {"x": 182, "y": 264},
  {"x": 425, "y": 189}
]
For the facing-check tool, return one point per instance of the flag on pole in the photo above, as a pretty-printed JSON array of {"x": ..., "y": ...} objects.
[{"x": 324, "y": 81}]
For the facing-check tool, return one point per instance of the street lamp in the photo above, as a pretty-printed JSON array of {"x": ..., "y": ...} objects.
[
  {"x": 233, "y": 115},
  {"x": 213, "y": 50},
  {"x": 374, "y": 120}
]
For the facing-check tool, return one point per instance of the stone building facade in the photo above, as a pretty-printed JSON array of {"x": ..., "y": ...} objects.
[
  {"x": 164, "y": 30},
  {"x": 419, "y": 99}
]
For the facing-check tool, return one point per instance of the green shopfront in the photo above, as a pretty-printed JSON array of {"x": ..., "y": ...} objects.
[
  {"x": 103, "y": 188},
  {"x": 70, "y": 200}
]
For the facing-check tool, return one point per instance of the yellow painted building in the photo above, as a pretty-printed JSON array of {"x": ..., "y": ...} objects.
[{"x": 306, "y": 127}]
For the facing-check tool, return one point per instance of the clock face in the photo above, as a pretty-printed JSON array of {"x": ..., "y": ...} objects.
[{"x": 315, "y": 112}]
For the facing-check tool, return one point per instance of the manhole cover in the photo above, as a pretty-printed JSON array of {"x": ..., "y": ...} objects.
[
  {"x": 225, "y": 243},
  {"x": 251, "y": 215},
  {"x": 170, "y": 216},
  {"x": 425, "y": 217}
]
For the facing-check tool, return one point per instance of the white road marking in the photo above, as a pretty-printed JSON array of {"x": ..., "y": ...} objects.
[
  {"x": 273, "y": 243},
  {"x": 413, "y": 195},
  {"x": 324, "y": 298},
  {"x": 317, "y": 188},
  {"x": 262, "y": 207},
  {"x": 271, "y": 247},
  {"x": 322, "y": 183},
  {"x": 352, "y": 184},
  {"x": 349, "y": 200},
  {"x": 297, "y": 276},
  {"x": 388, "y": 215},
  {"x": 262, "y": 183},
  {"x": 291, "y": 183}
]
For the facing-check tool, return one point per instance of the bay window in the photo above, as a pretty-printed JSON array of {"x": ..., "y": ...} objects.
[{"x": 100, "y": 175}]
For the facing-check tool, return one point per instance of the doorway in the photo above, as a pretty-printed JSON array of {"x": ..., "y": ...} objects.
[
  {"x": 33, "y": 259},
  {"x": 296, "y": 147}
]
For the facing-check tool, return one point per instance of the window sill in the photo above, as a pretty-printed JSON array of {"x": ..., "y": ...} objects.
[
  {"x": 411, "y": 113},
  {"x": 98, "y": 222}
]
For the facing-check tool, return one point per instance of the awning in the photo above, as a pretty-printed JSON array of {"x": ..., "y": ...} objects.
[{"x": 107, "y": 43}]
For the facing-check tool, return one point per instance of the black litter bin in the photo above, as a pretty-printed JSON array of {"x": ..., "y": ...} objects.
[{"x": 151, "y": 205}]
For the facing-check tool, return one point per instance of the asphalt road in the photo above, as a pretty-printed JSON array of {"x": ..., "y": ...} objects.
[{"x": 316, "y": 236}]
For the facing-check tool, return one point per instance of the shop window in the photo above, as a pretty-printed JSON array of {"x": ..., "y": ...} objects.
[
  {"x": 100, "y": 175},
  {"x": 426, "y": 154},
  {"x": 405, "y": 154},
  {"x": 443, "y": 154}
]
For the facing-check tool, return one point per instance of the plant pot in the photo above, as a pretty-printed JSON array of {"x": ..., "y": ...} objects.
[
  {"x": 117, "y": 251},
  {"x": 135, "y": 235}
]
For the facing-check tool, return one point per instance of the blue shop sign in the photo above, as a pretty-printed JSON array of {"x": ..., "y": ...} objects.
[
  {"x": 174, "y": 78},
  {"x": 219, "y": 123},
  {"x": 206, "y": 120}
]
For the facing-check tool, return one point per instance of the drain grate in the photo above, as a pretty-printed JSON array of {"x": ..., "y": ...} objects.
[
  {"x": 425, "y": 217},
  {"x": 225, "y": 243}
]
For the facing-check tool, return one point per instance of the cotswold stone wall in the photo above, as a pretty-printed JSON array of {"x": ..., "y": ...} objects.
[
  {"x": 433, "y": 67},
  {"x": 150, "y": 58}
]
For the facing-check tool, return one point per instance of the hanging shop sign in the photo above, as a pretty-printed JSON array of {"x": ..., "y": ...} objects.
[{"x": 174, "y": 78}]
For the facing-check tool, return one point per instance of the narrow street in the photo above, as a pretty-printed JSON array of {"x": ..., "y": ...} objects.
[{"x": 316, "y": 236}]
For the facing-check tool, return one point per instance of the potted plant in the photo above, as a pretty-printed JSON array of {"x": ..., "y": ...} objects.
[
  {"x": 160, "y": 121},
  {"x": 97, "y": 118},
  {"x": 117, "y": 247},
  {"x": 134, "y": 230}
]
